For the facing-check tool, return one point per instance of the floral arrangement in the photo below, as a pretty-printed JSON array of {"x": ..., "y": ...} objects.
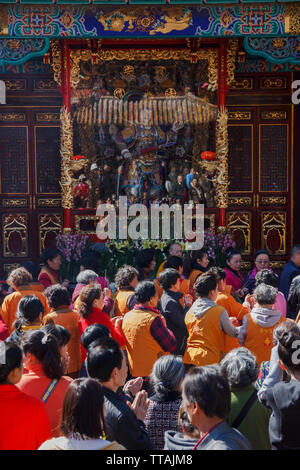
[
  {"x": 217, "y": 244},
  {"x": 71, "y": 248}
]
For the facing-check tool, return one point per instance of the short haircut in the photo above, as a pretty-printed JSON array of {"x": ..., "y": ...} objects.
[
  {"x": 13, "y": 360},
  {"x": 33, "y": 268},
  {"x": 168, "y": 278},
  {"x": 266, "y": 276},
  {"x": 204, "y": 284},
  {"x": 50, "y": 254},
  {"x": 264, "y": 294},
  {"x": 230, "y": 253},
  {"x": 85, "y": 276},
  {"x": 57, "y": 296},
  {"x": 174, "y": 262},
  {"x": 104, "y": 358},
  {"x": 144, "y": 291},
  {"x": 295, "y": 249},
  {"x": 240, "y": 367},
  {"x": 144, "y": 257},
  {"x": 93, "y": 333},
  {"x": 261, "y": 252},
  {"x": 19, "y": 277},
  {"x": 82, "y": 410},
  {"x": 210, "y": 389},
  {"x": 220, "y": 273},
  {"x": 125, "y": 275}
]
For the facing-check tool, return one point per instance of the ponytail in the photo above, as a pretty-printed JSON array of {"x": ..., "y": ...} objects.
[
  {"x": 86, "y": 298},
  {"x": 45, "y": 347}
]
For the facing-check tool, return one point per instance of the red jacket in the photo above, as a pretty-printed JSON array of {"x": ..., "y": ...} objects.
[
  {"x": 3, "y": 330},
  {"x": 24, "y": 421},
  {"x": 97, "y": 316}
]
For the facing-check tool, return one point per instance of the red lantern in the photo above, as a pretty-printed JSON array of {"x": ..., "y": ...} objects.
[{"x": 208, "y": 155}]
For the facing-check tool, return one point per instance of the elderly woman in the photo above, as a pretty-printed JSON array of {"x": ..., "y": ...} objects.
[
  {"x": 261, "y": 261},
  {"x": 85, "y": 278},
  {"x": 162, "y": 414},
  {"x": 256, "y": 333},
  {"x": 247, "y": 414},
  {"x": 20, "y": 280}
]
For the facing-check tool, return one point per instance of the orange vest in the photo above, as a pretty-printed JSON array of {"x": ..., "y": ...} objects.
[
  {"x": 44, "y": 270},
  {"x": 69, "y": 320},
  {"x": 161, "y": 268},
  {"x": 142, "y": 349},
  {"x": 259, "y": 340},
  {"x": 193, "y": 276},
  {"x": 206, "y": 341},
  {"x": 121, "y": 302}
]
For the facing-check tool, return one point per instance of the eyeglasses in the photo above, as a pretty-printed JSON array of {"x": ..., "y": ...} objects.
[{"x": 262, "y": 262}]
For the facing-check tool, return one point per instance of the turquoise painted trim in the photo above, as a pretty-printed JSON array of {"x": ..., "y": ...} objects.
[
  {"x": 28, "y": 56},
  {"x": 268, "y": 57}
]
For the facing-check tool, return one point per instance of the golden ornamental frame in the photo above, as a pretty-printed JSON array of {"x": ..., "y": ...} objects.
[{"x": 210, "y": 54}]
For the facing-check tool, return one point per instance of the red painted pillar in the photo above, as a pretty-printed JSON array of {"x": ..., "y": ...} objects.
[
  {"x": 222, "y": 90},
  {"x": 65, "y": 90}
]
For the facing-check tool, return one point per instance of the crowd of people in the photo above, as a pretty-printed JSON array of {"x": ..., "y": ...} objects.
[{"x": 183, "y": 356}]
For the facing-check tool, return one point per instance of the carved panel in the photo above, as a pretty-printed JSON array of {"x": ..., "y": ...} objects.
[
  {"x": 273, "y": 200},
  {"x": 239, "y": 201},
  {"x": 273, "y": 83},
  {"x": 50, "y": 225},
  {"x": 239, "y": 115},
  {"x": 274, "y": 115},
  {"x": 44, "y": 84},
  {"x": 48, "y": 202},
  {"x": 47, "y": 157},
  {"x": 14, "y": 159},
  {"x": 274, "y": 232},
  {"x": 16, "y": 84},
  {"x": 86, "y": 224},
  {"x": 9, "y": 267},
  {"x": 46, "y": 117},
  {"x": 15, "y": 235},
  {"x": 239, "y": 224},
  {"x": 242, "y": 84},
  {"x": 14, "y": 202},
  {"x": 240, "y": 140},
  {"x": 11, "y": 116},
  {"x": 273, "y": 143}
]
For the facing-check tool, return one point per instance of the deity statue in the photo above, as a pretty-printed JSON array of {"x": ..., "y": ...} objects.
[{"x": 141, "y": 143}]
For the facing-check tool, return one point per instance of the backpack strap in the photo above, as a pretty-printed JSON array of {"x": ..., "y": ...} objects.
[
  {"x": 238, "y": 420},
  {"x": 49, "y": 390}
]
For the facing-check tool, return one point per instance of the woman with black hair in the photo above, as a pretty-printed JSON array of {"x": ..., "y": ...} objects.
[
  {"x": 50, "y": 272},
  {"x": 234, "y": 277},
  {"x": 24, "y": 421},
  {"x": 34, "y": 269},
  {"x": 28, "y": 317},
  {"x": 261, "y": 261},
  {"x": 45, "y": 366},
  {"x": 145, "y": 263},
  {"x": 82, "y": 422},
  {"x": 194, "y": 264}
]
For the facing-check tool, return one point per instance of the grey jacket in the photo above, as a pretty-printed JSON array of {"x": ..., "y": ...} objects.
[{"x": 223, "y": 437}]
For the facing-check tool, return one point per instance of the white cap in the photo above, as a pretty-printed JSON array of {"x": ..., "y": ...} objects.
[{"x": 94, "y": 166}]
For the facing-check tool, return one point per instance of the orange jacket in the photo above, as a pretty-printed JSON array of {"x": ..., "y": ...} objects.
[
  {"x": 10, "y": 304},
  {"x": 233, "y": 308},
  {"x": 206, "y": 341},
  {"x": 35, "y": 383},
  {"x": 259, "y": 340},
  {"x": 193, "y": 276},
  {"x": 65, "y": 317},
  {"x": 141, "y": 347}
]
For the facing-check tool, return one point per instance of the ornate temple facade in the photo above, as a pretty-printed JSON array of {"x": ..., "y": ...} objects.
[{"x": 218, "y": 77}]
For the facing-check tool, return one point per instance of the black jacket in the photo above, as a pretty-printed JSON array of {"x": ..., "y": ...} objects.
[
  {"x": 294, "y": 296},
  {"x": 284, "y": 400},
  {"x": 174, "y": 314},
  {"x": 122, "y": 423}
]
